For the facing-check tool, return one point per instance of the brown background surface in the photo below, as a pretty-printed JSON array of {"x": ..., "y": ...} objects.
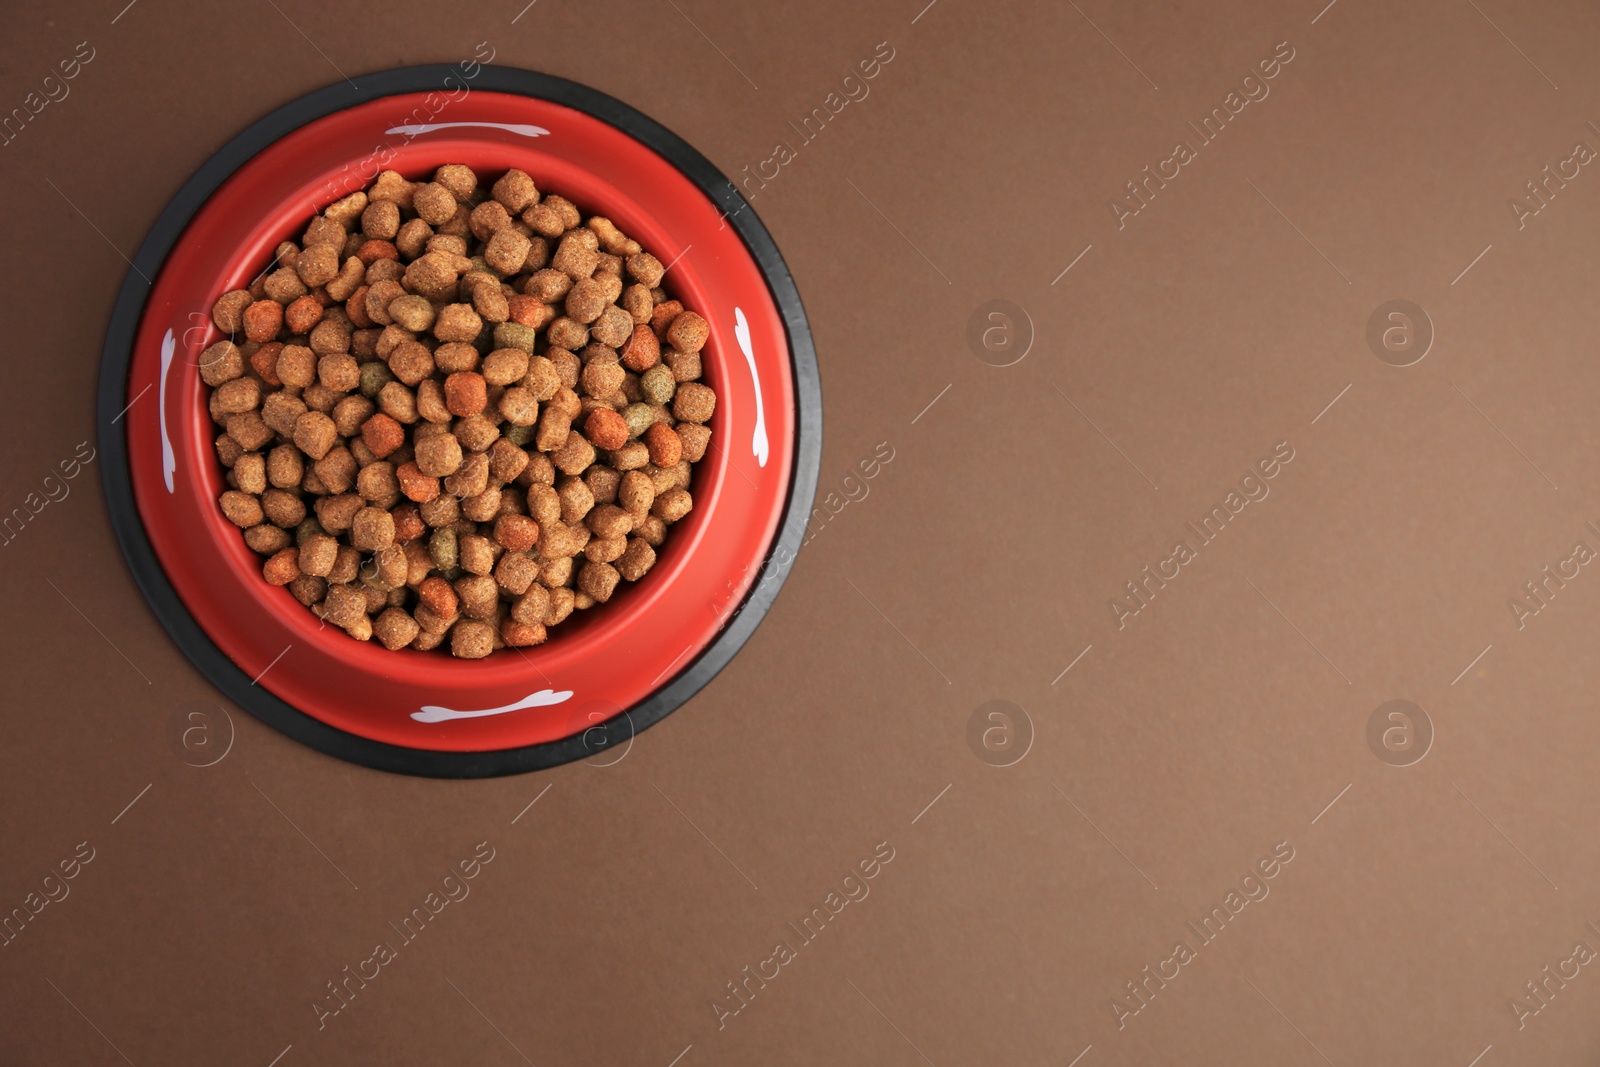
[{"x": 1175, "y": 753}]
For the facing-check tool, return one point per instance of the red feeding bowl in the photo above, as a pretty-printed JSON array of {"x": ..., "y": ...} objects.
[{"x": 606, "y": 672}]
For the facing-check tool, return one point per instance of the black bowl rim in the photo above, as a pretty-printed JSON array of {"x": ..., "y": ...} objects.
[{"x": 198, "y": 646}]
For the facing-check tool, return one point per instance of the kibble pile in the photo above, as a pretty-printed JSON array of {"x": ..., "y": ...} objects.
[{"x": 452, "y": 413}]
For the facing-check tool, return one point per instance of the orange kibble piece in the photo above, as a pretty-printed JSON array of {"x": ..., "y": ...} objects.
[
  {"x": 465, "y": 393},
  {"x": 642, "y": 350},
  {"x": 262, "y": 320},
  {"x": 516, "y": 533},
  {"x": 417, "y": 486},
  {"x": 303, "y": 314},
  {"x": 373, "y": 250},
  {"x": 608, "y": 430},
  {"x": 666, "y": 447},
  {"x": 382, "y": 434},
  {"x": 282, "y": 567}
]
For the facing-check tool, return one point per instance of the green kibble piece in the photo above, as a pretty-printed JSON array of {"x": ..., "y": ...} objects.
[
  {"x": 657, "y": 384},
  {"x": 639, "y": 417},
  {"x": 307, "y": 528},
  {"x": 374, "y": 376},
  {"x": 517, "y": 435},
  {"x": 514, "y": 335},
  {"x": 442, "y": 547}
]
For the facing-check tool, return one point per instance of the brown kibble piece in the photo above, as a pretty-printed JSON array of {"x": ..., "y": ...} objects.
[
  {"x": 433, "y": 275},
  {"x": 586, "y": 300},
  {"x": 604, "y": 549},
  {"x": 521, "y": 634},
  {"x": 241, "y": 509},
  {"x": 413, "y": 312},
  {"x": 318, "y": 554},
  {"x": 516, "y": 191},
  {"x": 613, "y": 240},
  {"x": 372, "y": 529},
  {"x": 395, "y": 629},
  {"x": 694, "y": 402},
  {"x": 695, "y": 439},
  {"x": 532, "y": 606},
  {"x": 685, "y": 366},
  {"x": 296, "y": 366},
  {"x": 575, "y": 256},
  {"x": 343, "y": 605},
  {"x": 598, "y": 580},
  {"x": 457, "y": 322},
  {"x": 317, "y": 265},
  {"x": 507, "y": 251},
  {"x": 488, "y": 218},
  {"x": 228, "y": 311},
  {"x": 602, "y": 375},
  {"x": 672, "y": 505},
  {"x": 458, "y": 178},
  {"x": 381, "y": 220},
  {"x": 314, "y": 434},
  {"x": 285, "y": 467},
  {"x": 248, "y": 429},
  {"x": 636, "y": 493},
  {"x": 645, "y": 269},
  {"x": 609, "y": 521},
  {"x": 434, "y": 204},
  {"x": 574, "y": 455},
  {"x": 283, "y": 285},
  {"x": 220, "y": 363},
  {"x": 635, "y": 300},
  {"x": 652, "y": 531},
  {"x": 479, "y": 596},
  {"x": 339, "y": 372},
  {"x": 283, "y": 508},
  {"x": 636, "y": 560},
  {"x": 438, "y": 456},
  {"x": 515, "y": 573},
  {"x": 471, "y": 639},
  {"x": 505, "y": 366},
  {"x": 613, "y": 328},
  {"x": 688, "y": 332},
  {"x": 267, "y": 539},
  {"x": 410, "y": 362},
  {"x": 398, "y": 402},
  {"x": 475, "y": 554},
  {"x": 518, "y": 406}
]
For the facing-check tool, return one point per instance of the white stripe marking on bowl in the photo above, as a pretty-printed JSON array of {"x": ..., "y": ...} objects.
[
  {"x": 543, "y": 698},
  {"x": 741, "y": 331},
  {"x": 511, "y": 127},
  {"x": 168, "y": 463}
]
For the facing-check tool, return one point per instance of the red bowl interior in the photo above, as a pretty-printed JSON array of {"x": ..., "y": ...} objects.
[{"x": 600, "y": 661}]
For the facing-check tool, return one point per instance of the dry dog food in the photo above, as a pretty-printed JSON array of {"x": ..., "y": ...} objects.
[{"x": 456, "y": 415}]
